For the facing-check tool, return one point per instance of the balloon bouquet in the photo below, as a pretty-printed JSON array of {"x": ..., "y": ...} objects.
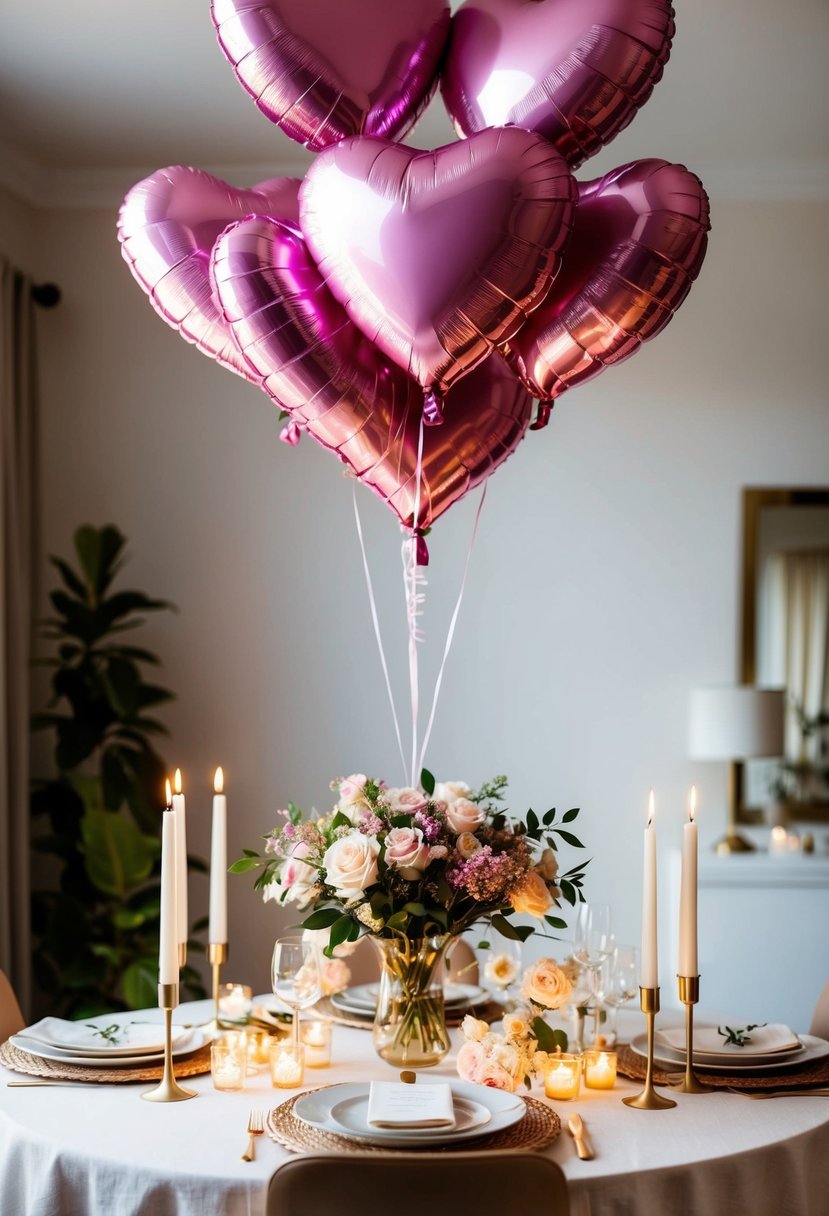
[{"x": 405, "y": 308}]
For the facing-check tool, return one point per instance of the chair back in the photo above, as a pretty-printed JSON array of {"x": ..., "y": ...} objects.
[
  {"x": 820, "y": 1018},
  {"x": 409, "y": 1184},
  {"x": 11, "y": 1016}
]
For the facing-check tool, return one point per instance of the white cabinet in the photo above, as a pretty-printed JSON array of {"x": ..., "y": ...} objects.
[{"x": 763, "y": 937}]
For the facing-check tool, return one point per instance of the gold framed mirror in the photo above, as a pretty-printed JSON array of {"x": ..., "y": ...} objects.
[{"x": 785, "y": 642}]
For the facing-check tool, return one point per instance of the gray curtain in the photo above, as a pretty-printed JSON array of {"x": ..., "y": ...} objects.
[{"x": 18, "y": 532}]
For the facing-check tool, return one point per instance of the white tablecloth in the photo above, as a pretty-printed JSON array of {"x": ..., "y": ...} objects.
[{"x": 101, "y": 1151}]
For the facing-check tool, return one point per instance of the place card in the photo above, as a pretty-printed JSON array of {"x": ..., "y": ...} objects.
[{"x": 395, "y": 1104}]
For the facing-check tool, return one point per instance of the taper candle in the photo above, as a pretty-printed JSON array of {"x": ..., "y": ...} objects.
[
  {"x": 217, "y": 927},
  {"x": 168, "y": 936},
  {"x": 650, "y": 964},
  {"x": 181, "y": 860},
  {"x": 688, "y": 962}
]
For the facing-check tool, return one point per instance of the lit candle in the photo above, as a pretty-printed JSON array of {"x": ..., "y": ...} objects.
[
  {"x": 181, "y": 861},
  {"x": 562, "y": 1078},
  {"x": 316, "y": 1035},
  {"x": 688, "y": 964},
  {"x": 286, "y": 1065},
  {"x": 235, "y": 1002},
  {"x": 168, "y": 937},
  {"x": 600, "y": 1069},
  {"x": 217, "y": 927},
  {"x": 650, "y": 965},
  {"x": 228, "y": 1065}
]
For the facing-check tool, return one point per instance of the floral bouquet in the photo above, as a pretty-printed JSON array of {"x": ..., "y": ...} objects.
[{"x": 412, "y": 866}]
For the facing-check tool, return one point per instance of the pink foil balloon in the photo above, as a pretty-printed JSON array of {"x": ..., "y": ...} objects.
[
  {"x": 167, "y": 226},
  {"x": 339, "y": 388},
  {"x": 576, "y": 71},
  {"x": 638, "y": 244},
  {"x": 324, "y": 70},
  {"x": 437, "y": 256}
]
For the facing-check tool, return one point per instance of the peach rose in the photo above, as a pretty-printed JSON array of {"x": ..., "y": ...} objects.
[
  {"x": 470, "y": 1060},
  {"x": 467, "y": 844},
  {"x": 450, "y": 791},
  {"x": 464, "y": 816},
  {"x": 547, "y": 867},
  {"x": 532, "y": 898},
  {"x": 494, "y": 1075},
  {"x": 350, "y": 864},
  {"x": 546, "y": 984},
  {"x": 405, "y": 801},
  {"x": 407, "y": 851}
]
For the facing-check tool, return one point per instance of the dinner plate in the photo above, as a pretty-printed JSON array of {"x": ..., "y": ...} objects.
[
  {"x": 813, "y": 1049},
  {"x": 35, "y": 1048},
  {"x": 133, "y": 1038},
  {"x": 363, "y": 997},
  {"x": 343, "y": 1110}
]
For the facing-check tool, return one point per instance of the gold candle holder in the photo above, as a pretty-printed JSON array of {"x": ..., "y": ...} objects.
[
  {"x": 649, "y": 1099},
  {"x": 689, "y": 995},
  {"x": 216, "y": 955},
  {"x": 168, "y": 1088},
  {"x": 182, "y": 955}
]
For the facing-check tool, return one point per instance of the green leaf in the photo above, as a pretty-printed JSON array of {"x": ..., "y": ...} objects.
[
  {"x": 116, "y": 854},
  {"x": 398, "y": 921},
  {"x": 568, "y": 890},
  {"x": 547, "y": 1038},
  {"x": 340, "y": 821},
  {"x": 427, "y": 782},
  {"x": 569, "y": 816},
  {"x": 532, "y": 824},
  {"x": 569, "y": 838},
  {"x": 340, "y": 932},
  {"x": 128, "y": 918},
  {"x": 97, "y": 550},
  {"x": 515, "y": 933},
  {"x": 323, "y": 918},
  {"x": 69, "y": 576},
  {"x": 139, "y": 983},
  {"x": 548, "y": 816},
  {"x": 242, "y": 866},
  {"x": 556, "y": 922},
  {"x": 414, "y": 909}
]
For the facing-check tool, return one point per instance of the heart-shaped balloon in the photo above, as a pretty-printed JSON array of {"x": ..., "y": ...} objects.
[
  {"x": 337, "y": 386},
  {"x": 437, "y": 256},
  {"x": 638, "y": 244},
  {"x": 324, "y": 71},
  {"x": 576, "y": 71},
  {"x": 167, "y": 226}
]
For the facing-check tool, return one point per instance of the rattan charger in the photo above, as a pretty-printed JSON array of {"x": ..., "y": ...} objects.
[
  {"x": 56, "y": 1070},
  {"x": 633, "y": 1065}
]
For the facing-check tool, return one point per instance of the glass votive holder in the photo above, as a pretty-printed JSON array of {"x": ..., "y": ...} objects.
[
  {"x": 228, "y": 1065},
  {"x": 287, "y": 1062},
  {"x": 316, "y": 1037},
  {"x": 599, "y": 1069},
  {"x": 562, "y": 1076},
  {"x": 235, "y": 1002},
  {"x": 259, "y": 1047}
]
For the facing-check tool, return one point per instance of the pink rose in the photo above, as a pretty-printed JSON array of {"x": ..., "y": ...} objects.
[
  {"x": 297, "y": 879},
  {"x": 407, "y": 851},
  {"x": 496, "y": 1076},
  {"x": 464, "y": 816},
  {"x": 352, "y": 788},
  {"x": 470, "y": 1060},
  {"x": 406, "y": 801}
]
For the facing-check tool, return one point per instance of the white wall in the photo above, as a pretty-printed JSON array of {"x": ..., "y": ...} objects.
[{"x": 604, "y": 584}]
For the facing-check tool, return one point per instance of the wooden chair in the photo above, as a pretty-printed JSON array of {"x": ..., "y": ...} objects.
[
  {"x": 820, "y": 1018},
  {"x": 11, "y": 1017},
  {"x": 409, "y": 1184}
]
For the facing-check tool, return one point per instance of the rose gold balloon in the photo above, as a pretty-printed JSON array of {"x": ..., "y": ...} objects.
[
  {"x": 340, "y": 389},
  {"x": 638, "y": 244},
  {"x": 576, "y": 71},
  {"x": 167, "y": 226},
  {"x": 437, "y": 256},
  {"x": 324, "y": 70}
]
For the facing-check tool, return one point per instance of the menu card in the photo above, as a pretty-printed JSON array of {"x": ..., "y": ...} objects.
[{"x": 395, "y": 1104}]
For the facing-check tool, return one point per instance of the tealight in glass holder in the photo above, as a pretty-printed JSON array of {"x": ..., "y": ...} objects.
[
  {"x": 287, "y": 1061},
  {"x": 599, "y": 1069},
  {"x": 316, "y": 1038},
  {"x": 235, "y": 1002},
  {"x": 228, "y": 1065},
  {"x": 562, "y": 1076}
]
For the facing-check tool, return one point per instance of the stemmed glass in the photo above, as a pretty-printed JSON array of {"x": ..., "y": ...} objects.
[
  {"x": 295, "y": 977},
  {"x": 502, "y": 968},
  {"x": 593, "y": 944},
  {"x": 618, "y": 981}
]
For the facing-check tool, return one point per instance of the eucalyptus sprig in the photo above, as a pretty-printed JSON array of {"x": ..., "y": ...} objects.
[{"x": 738, "y": 1037}]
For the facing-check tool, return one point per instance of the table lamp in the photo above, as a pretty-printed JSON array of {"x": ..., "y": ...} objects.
[{"x": 732, "y": 724}]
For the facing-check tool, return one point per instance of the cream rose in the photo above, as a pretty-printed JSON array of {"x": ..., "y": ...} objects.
[
  {"x": 470, "y": 1060},
  {"x": 546, "y": 984},
  {"x": 501, "y": 969},
  {"x": 405, "y": 801},
  {"x": 464, "y": 816},
  {"x": 407, "y": 851},
  {"x": 467, "y": 844},
  {"x": 474, "y": 1028},
  {"x": 515, "y": 1025},
  {"x": 494, "y": 1075},
  {"x": 532, "y": 898},
  {"x": 352, "y": 789},
  {"x": 450, "y": 791},
  {"x": 350, "y": 864}
]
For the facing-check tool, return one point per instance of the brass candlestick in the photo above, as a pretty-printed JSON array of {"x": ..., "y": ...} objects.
[
  {"x": 216, "y": 955},
  {"x": 649, "y": 1099},
  {"x": 168, "y": 1088},
  {"x": 182, "y": 954},
  {"x": 689, "y": 995}
]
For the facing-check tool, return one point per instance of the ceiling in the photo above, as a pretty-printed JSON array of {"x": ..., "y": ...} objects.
[{"x": 121, "y": 89}]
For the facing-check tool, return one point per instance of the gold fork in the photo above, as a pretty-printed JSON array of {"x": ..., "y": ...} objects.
[{"x": 256, "y": 1127}]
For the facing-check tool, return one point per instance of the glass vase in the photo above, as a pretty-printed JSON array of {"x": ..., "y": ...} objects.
[{"x": 410, "y": 1023}]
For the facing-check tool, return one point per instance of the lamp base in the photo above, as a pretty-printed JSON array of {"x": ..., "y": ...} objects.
[{"x": 733, "y": 842}]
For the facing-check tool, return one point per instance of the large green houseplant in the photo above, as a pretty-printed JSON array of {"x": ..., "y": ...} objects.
[{"x": 97, "y": 817}]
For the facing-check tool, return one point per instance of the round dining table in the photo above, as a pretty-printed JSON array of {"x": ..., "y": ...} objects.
[{"x": 97, "y": 1149}]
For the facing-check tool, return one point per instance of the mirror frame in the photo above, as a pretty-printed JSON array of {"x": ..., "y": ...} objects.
[{"x": 754, "y": 501}]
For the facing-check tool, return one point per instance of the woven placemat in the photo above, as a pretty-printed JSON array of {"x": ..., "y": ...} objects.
[
  {"x": 39, "y": 1066},
  {"x": 489, "y": 1011},
  {"x": 632, "y": 1065},
  {"x": 539, "y": 1127}
]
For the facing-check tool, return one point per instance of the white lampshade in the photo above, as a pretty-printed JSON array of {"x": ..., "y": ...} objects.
[{"x": 728, "y": 723}]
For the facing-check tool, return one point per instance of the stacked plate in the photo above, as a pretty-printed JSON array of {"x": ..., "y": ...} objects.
[
  {"x": 361, "y": 1000},
  {"x": 772, "y": 1049},
  {"x": 110, "y": 1041},
  {"x": 343, "y": 1111}
]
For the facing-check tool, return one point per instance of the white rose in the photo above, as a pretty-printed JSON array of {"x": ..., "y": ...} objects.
[
  {"x": 297, "y": 880},
  {"x": 352, "y": 789},
  {"x": 407, "y": 851},
  {"x": 464, "y": 816},
  {"x": 405, "y": 801},
  {"x": 474, "y": 1028},
  {"x": 350, "y": 864},
  {"x": 450, "y": 791},
  {"x": 467, "y": 844}
]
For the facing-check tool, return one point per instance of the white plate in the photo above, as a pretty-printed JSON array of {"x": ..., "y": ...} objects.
[
  {"x": 363, "y": 997},
  {"x": 755, "y": 1059},
  {"x": 350, "y": 1102},
  {"x": 34, "y": 1048},
  {"x": 813, "y": 1049},
  {"x": 136, "y": 1038}
]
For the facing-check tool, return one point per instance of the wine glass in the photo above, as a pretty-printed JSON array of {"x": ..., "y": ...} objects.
[
  {"x": 295, "y": 977},
  {"x": 502, "y": 968},
  {"x": 618, "y": 982},
  {"x": 593, "y": 944}
]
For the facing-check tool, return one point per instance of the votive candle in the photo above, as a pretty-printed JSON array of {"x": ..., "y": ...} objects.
[
  {"x": 316, "y": 1036},
  {"x": 562, "y": 1077},
  {"x": 235, "y": 1002},
  {"x": 599, "y": 1069},
  {"x": 287, "y": 1065},
  {"x": 228, "y": 1065}
]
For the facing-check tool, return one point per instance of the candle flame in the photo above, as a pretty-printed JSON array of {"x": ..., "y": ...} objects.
[
  {"x": 168, "y": 794},
  {"x": 692, "y": 808},
  {"x": 178, "y": 780},
  {"x": 651, "y": 808},
  {"x": 219, "y": 780}
]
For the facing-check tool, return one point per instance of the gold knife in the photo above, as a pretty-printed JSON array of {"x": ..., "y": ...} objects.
[{"x": 577, "y": 1131}]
